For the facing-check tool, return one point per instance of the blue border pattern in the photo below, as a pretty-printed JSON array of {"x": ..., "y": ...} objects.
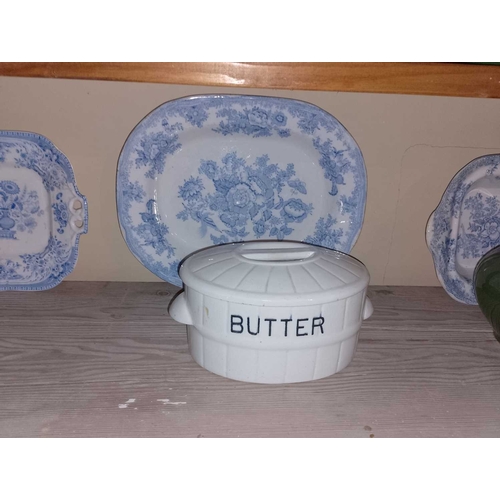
[
  {"x": 148, "y": 146},
  {"x": 56, "y": 173},
  {"x": 442, "y": 228}
]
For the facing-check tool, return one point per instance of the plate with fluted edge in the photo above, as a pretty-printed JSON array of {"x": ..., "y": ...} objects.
[
  {"x": 42, "y": 213},
  {"x": 465, "y": 226}
]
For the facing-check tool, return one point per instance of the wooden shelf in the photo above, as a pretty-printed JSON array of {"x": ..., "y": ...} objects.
[
  {"x": 446, "y": 79},
  {"x": 100, "y": 359}
]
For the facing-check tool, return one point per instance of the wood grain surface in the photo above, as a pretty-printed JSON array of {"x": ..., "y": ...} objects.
[
  {"x": 105, "y": 360},
  {"x": 449, "y": 79}
]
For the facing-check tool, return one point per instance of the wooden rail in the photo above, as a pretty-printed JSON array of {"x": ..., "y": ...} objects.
[{"x": 448, "y": 79}]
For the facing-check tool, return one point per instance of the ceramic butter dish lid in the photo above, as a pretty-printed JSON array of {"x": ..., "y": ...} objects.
[
  {"x": 274, "y": 273},
  {"x": 272, "y": 311}
]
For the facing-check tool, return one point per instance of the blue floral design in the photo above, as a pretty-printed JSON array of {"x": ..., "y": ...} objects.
[
  {"x": 297, "y": 186},
  {"x": 20, "y": 208},
  {"x": 17, "y": 209},
  {"x": 153, "y": 231},
  {"x": 61, "y": 213},
  {"x": 326, "y": 234},
  {"x": 225, "y": 205},
  {"x": 310, "y": 121},
  {"x": 255, "y": 121},
  {"x": 483, "y": 232},
  {"x": 8, "y": 188},
  {"x": 191, "y": 189},
  {"x": 10, "y": 271},
  {"x": 196, "y": 115},
  {"x": 333, "y": 163},
  {"x": 444, "y": 239},
  {"x": 133, "y": 191},
  {"x": 246, "y": 197},
  {"x": 4, "y": 149},
  {"x": 295, "y": 210},
  {"x": 155, "y": 147}
]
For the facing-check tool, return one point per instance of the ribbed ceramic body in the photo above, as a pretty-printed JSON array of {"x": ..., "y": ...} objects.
[{"x": 272, "y": 312}]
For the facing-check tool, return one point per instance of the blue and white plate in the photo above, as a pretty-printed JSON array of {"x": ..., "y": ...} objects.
[
  {"x": 466, "y": 225},
  {"x": 42, "y": 213},
  {"x": 213, "y": 169}
]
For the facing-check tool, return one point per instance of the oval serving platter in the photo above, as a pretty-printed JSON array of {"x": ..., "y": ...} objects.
[
  {"x": 213, "y": 169},
  {"x": 42, "y": 213}
]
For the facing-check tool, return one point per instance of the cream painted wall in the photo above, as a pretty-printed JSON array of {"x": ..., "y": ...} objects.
[{"x": 412, "y": 146}]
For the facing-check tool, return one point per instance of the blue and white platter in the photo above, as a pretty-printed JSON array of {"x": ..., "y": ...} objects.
[
  {"x": 466, "y": 225},
  {"x": 213, "y": 169},
  {"x": 42, "y": 213}
]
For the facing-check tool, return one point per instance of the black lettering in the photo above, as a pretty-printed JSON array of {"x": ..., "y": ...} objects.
[
  {"x": 270, "y": 324},
  {"x": 258, "y": 327},
  {"x": 286, "y": 325},
  {"x": 234, "y": 323},
  {"x": 318, "y": 325},
  {"x": 300, "y": 327}
]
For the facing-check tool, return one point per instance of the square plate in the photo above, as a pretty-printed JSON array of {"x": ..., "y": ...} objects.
[{"x": 42, "y": 213}]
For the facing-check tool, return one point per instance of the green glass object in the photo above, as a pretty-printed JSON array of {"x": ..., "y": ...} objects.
[{"x": 487, "y": 285}]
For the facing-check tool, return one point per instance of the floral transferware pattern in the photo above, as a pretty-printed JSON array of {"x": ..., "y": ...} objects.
[
  {"x": 19, "y": 209},
  {"x": 465, "y": 225},
  {"x": 229, "y": 162},
  {"x": 61, "y": 213},
  {"x": 22, "y": 213},
  {"x": 247, "y": 199},
  {"x": 483, "y": 231}
]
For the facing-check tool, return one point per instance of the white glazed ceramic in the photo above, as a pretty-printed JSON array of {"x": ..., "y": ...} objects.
[
  {"x": 42, "y": 213},
  {"x": 206, "y": 170},
  {"x": 466, "y": 225},
  {"x": 272, "y": 312}
]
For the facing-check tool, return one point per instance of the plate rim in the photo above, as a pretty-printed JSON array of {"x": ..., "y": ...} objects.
[
  {"x": 143, "y": 257},
  {"x": 42, "y": 140}
]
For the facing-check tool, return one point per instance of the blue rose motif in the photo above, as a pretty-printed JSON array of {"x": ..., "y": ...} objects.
[
  {"x": 191, "y": 189},
  {"x": 241, "y": 200},
  {"x": 262, "y": 185},
  {"x": 491, "y": 230},
  {"x": 243, "y": 197},
  {"x": 294, "y": 210},
  {"x": 258, "y": 117}
]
